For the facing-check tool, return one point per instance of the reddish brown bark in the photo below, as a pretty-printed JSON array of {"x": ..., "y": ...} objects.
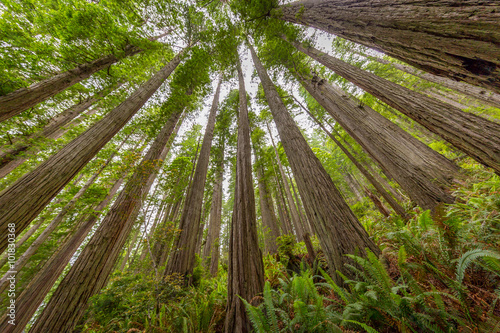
[
  {"x": 25, "y": 199},
  {"x": 458, "y": 39},
  {"x": 183, "y": 258},
  {"x": 25, "y": 98},
  {"x": 477, "y": 137},
  {"x": 269, "y": 220},
  {"x": 92, "y": 268},
  {"x": 337, "y": 227},
  {"x": 422, "y": 173},
  {"x": 245, "y": 269}
]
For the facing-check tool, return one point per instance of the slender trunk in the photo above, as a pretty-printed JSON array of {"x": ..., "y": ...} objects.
[
  {"x": 268, "y": 218},
  {"x": 183, "y": 259},
  {"x": 22, "y": 99},
  {"x": 307, "y": 226},
  {"x": 378, "y": 204},
  {"x": 10, "y": 152},
  {"x": 352, "y": 186},
  {"x": 35, "y": 148},
  {"x": 286, "y": 224},
  {"x": 294, "y": 213},
  {"x": 25, "y": 199},
  {"x": 32, "y": 296},
  {"x": 211, "y": 250},
  {"x": 129, "y": 250},
  {"x": 282, "y": 215},
  {"x": 336, "y": 225},
  {"x": 456, "y": 39},
  {"x": 380, "y": 189},
  {"x": 483, "y": 95},
  {"x": 476, "y": 136},
  {"x": 245, "y": 277},
  {"x": 421, "y": 172},
  {"x": 92, "y": 268}
]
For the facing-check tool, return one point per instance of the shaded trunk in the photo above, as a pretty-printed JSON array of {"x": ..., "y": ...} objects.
[
  {"x": 352, "y": 186},
  {"x": 268, "y": 217},
  {"x": 25, "y": 199},
  {"x": 458, "y": 39},
  {"x": 182, "y": 260},
  {"x": 380, "y": 189},
  {"x": 421, "y": 172},
  {"x": 483, "y": 95},
  {"x": 245, "y": 277},
  {"x": 93, "y": 266},
  {"x": 294, "y": 213},
  {"x": 10, "y": 152},
  {"x": 33, "y": 295},
  {"x": 477, "y": 137},
  {"x": 212, "y": 245},
  {"x": 307, "y": 226},
  {"x": 337, "y": 227},
  {"x": 22, "y": 99},
  {"x": 286, "y": 224},
  {"x": 376, "y": 201}
]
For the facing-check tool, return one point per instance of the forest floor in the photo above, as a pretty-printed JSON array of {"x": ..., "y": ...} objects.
[{"x": 437, "y": 273}]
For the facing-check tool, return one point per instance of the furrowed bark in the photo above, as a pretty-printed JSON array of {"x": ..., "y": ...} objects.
[
  {"x": 32, "y": 296},
  {"x": 10, "y": 152},
  {"x": 92, "y": 268},
  {"x": 22, "y": 99},
  {"x": 423, "y": 173},
  {"x": 476, "y": 136},
  {"x": 484, "y": 95},
  {"x": 380, "y": 189},
  {"x": 458, "y": 39},
  {"x": 25, "y": 199},
  {"x": 337, "y": 227},
  {"x": 182, "y": 260},
  {"x": 245, "y": 269}
]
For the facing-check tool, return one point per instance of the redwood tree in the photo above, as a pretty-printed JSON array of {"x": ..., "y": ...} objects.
[
  {"x": 453, "y": 38},
  {"x": 337, "y": 227}
]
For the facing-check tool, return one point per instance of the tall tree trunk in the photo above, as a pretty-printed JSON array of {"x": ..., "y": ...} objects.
[
  {"x": 458, "y": 39},
  {"x": 477, "y": 137},
  {"x": 19, "y": 145},
  {"x": 380, "y": 189},
  {"x": 294, "y": 213},
  {"x": 286, "y": 224},
  {"x": 421, "y": 172},
  {"x": 32, "y": 296},
  {"x": 35, "y": 148},
  {"x": 23, "y": 259},
  {"x": 352, "y": 186},
  {"x": 22, "y": 99},
  {"x": 337, "y": 227},
  {"x": 245, "y": 277},
  {"x": 182, "y": 260},
  {"x": 307, "y": 226},
  {"x": 92, "y": 268},
  {"x": 211, "y": 250},
  {"x": 378, "y": 204},
  {"x": 25, "y": 199},
  {"x": 480, "y": 94},
  {"x": 268, "y": 218}
]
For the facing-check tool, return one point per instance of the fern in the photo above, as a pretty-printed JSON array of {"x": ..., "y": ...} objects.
[
  {"x": 268, "y": 301},
  {"x": 468, "y": 257}
]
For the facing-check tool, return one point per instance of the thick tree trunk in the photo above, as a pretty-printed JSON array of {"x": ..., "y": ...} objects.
[
  {"x": 458, "y": 39},
  {"x": 337, "y": 227},
  {"x": 25, "y": 199},
  {"x": 92, "y": 268},
  {"x": 211, "y": 250},
  {"x": 421, "y": 172},
  {"x": 268, "y": 217},
  {"x": 34, "y": 148},
  {"x": 380, "y": 189},
  {"x": 20, "y": 100},
  {"x": 294, "y": 213},
  {"x": 183, "y": 258},
  {"x": 477, "y": 137},
  {"x": 480, "y": 94},
  {"x": 245, "y": 277},
  {"x": 23, "y": 259},
  {"x": 32, "y": 296},
  {"x": 10, "y": 152}
]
